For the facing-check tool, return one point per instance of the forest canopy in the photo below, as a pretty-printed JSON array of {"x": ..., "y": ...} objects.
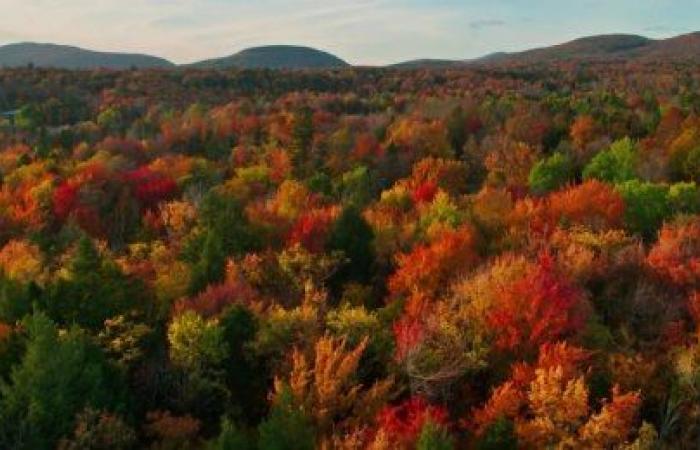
[{"x": 458, "y": 258}]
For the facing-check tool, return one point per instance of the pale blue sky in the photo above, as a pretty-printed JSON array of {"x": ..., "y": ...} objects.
[{"x": 360, "y": 31}]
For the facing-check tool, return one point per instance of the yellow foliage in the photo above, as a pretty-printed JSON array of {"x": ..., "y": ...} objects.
[
  {"x": 327, "y": 390},
  {"x": 21, "y": 261}
]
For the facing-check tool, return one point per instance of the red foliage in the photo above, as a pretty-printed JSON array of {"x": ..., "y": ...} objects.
[
  {"x": 64, "y": 199},
  {"x": 541, "y": 307},
  {"x": 5, "y": 331},
  {"x": 216, "y": 298},
  {"x": 150, "y": 187},
  {"x": 408, "y": 333},
  {"x": 425, "y": 192},
  {"x": 311, "y": 229},
  {"x": 403, "y": 423}
]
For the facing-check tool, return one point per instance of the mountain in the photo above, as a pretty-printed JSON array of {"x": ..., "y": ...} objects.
[
  {"x": 627, "y": 47},
  {"x": 67, "y": 57},
  {"x": 276, "y": 57}
]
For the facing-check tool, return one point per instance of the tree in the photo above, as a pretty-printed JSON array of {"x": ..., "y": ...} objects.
[
  {"x": 211, "y": 264},
  {"x": 550, "y": 173},
  {"x": 434, "y": 437},
  {"x": 428, "y": 268},
  {"x": 58, "y": 377},
  {"x": 542, "y": 306},
  {"x": 327, "y": 392},
  {"x": 99, "y": 430},
  {"x": 96, "y": 290},
  {"x": 302, "y": 140},
  {"x": 615, "y": 165},
  {"x": 352, "y": 235},
  {"x": 646, "y": 206},
  {"x": 231, "y": 437},
  {"x": 287, "y": 427},
  {"x": 499, "y": 436},
  {"x": 457, "y": 130},
  {"x": 404, "y": 425},
  {"x": 195, "y": 344}
]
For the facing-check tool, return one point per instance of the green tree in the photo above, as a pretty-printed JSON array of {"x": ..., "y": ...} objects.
[
  {"x": 499, "y": 436},
  {"x": 356, "y": 187},
  {"x": 57, "y": 378},
  {"x": 615, "y": 165},
  {"x": 684, "y": 198},
  {"x": 302, "y": 140},
  {"x": 457, "y": 130},
  {"x": 245, "y": 375},
  {"x": 211, "y": 266},
  {"x": 16, "y": 299},
  {"x": 352, "y": 235},
  {"x": 286, "y": 427},
  {"x": 196, "y": 344},
  {"x": 646, "y": 206},
  {"x": 550, "y": 173},
  {"x": 231, "y": 437},
  {"x": 94, "y": 291},
  {"x": 434, "y": 437}
]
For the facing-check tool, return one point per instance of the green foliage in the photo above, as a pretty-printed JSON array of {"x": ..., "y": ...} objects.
[
  {"x": 16, "y": 299},
  {"x": 646, "y": 206},
  {"x": 224, "y": 215},
  {"x": 356, "y": 187},
  {"x": 302, "y": 140},
  {"x": 245, "y": 375},
  {"x": 196, "y": 344},
  {"x": 434, "y": 437},
  {"x": 352, "y": 235},
  {"x": 684, "y": 198},
  {"x": 58, "y": 377},
  {"x": 457, "y": 130},
  {"x": 499, "y": 436},
  {"x": 94, "y": 290},
  {"x": 286, "y": 428},
  {"x": 211, "y": 266},
  {"x": 691, "y": 165},
  {"x": 615, "y": 165},
  {"x": 550, "y": 173},
  {"x": 224, "y": 232},
  {"x": 231, "y": 437}
]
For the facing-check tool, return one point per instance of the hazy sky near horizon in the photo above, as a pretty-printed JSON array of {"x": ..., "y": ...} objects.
[{"x": 360, "y": 31}]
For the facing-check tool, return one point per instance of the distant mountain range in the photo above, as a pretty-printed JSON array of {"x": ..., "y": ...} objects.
[
  {"x": 606, "y": 47},
  {"x": 67, "y": 57},
  {"x": 603, "y": 48}
]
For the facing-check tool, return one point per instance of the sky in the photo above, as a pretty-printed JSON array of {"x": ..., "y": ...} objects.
[{"x": 366, "y": 32}]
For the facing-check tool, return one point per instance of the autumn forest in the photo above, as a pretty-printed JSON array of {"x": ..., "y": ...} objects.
[{"x": 489, "y": 258}]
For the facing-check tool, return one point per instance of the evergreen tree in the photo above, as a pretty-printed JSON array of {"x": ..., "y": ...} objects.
[
  {"x": 302, "y": 139},
  {"x": 354, "y": 237},
  {"x": 57, "y": 378},
  {"x": 286, "y": 428}
]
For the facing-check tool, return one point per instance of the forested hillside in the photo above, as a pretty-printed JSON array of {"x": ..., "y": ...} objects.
[{"x": 503, "y": 258}]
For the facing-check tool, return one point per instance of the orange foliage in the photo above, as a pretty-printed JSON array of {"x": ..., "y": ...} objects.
[
  {"x": 428, "y": 268},
  {"x": 583, "y": 131},
  {"x": 676, "y": 255}
]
